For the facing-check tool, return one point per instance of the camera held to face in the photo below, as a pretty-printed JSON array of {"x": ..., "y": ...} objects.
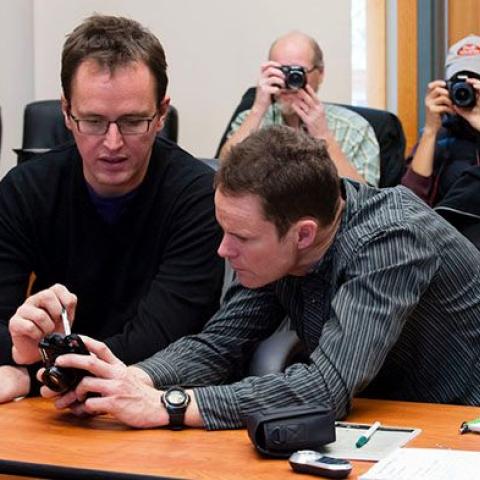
[
  {"x": 461, "y": 92},
  {"x": 52, "y": 346},
  {"x": 295, "y": 76}
]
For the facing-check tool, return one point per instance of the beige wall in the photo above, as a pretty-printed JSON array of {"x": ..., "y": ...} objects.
[
  {"x": 214, "y": 49},
  {"x": 16, "y": 73}
]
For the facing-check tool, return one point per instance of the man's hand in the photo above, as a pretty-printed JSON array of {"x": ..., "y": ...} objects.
[
  {"x": 38, "y": 316},
  {"x": 14, "y": 382},
  {"x": 124, "y": 392},
  {"x": 471, "y": 115},
  {"x": 311, "y": 111},
  {"x": 271, "y": 81}
]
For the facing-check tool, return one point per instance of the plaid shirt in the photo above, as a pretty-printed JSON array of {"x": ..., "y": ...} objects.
[{"x": 353, "y": 133}]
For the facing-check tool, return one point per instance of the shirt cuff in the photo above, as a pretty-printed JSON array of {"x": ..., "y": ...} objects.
[
  {"x": 161, "y": 373},
  {"x": 218, "y": 407}
]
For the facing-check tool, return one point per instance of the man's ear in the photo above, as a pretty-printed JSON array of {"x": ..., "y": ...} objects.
[
  {"x": 162, "y": 113},
  {"x": 306, "y": 233},
  {"x": 66, "y": 116}
]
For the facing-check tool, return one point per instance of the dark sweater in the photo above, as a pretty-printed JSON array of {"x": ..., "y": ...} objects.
[{"x": 148, "y": 279}]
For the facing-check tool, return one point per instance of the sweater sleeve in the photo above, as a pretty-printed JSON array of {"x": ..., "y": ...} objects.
[
  {"x": 419, "y": 184},
  {"x": 16, "y": 262},
  {"x": 185, "y": 291}
]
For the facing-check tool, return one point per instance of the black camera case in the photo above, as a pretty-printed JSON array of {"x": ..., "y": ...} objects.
[
  {"x": 278, "y": 432},
  {"x": 52, "y": 346}
]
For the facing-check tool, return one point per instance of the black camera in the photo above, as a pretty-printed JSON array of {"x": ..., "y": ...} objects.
[
  {"x": 295, "y": 76},
  {"x": 461, "y": 92},
  {"x": 59, "y": 379}
]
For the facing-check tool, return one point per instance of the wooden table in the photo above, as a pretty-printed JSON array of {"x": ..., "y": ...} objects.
[{"x": 32, "y": 430}]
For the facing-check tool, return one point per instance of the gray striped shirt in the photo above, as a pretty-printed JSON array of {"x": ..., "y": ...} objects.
[{"x": 392, "y": 311}]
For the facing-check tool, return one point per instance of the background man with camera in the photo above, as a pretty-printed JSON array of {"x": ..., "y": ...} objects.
[
  {"x": 120, "y": 219},
  {"x": 287, "y": 95},
  {"x": 445, "y": 167}
]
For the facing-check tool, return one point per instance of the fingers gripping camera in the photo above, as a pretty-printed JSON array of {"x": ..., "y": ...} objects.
[{"x": 59, "y": 379}]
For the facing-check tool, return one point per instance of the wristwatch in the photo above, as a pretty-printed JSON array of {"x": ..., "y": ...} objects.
[{"x": 176, "y": 400}]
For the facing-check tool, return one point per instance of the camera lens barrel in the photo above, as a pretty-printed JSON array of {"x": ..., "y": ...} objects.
[
  {"x": 52, "y": 346},
  {"x": 295, "y": 76},
  {"x": 59, "y": 380},
  {"x": 462, "y": 94}
]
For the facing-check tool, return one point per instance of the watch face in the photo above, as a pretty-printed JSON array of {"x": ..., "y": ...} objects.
[{"x": 176, "y": 397}]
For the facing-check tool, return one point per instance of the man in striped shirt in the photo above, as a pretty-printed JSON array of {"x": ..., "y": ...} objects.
[{"x": 383, "y": 293}]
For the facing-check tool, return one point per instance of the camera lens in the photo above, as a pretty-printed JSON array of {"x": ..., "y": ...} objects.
[
  {"x": 463, "y": 95},
  {"x": 57, "y": 380},
  {"x": 296, "y": 80}
]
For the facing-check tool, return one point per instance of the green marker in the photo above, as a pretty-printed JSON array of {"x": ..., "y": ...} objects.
[
  {"x": 363, "y": 439},
  {"x": 471, "y": 426}
]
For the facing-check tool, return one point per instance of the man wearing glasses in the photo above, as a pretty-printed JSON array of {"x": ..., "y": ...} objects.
[
  {"x": 121, "y": 220},
  {"x": 287, "y": 94}
]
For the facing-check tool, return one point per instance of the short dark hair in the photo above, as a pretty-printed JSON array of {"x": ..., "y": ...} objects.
[
  {"x": 112, "y": 42},
  {"x": 289, "y": 170}
]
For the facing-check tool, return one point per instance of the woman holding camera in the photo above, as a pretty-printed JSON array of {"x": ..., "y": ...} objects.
[{"x": 445, "y": 167}]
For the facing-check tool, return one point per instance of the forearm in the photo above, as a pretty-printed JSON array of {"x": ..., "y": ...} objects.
[
  {"x": 251, "y": 123},
  {"x": 422, "y": 163},
  {"x": 227, "y": 406},
  {"x": 14, "y": 382},
  {"x": 344, "y": 167},
  {"x": 221, "y": 349},
  {"x": 212, "y": 362}
]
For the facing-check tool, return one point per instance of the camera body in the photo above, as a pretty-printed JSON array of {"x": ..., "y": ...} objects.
[
  {"x": 59, "y": 379},
  {"x": 295, "y": 76},
  {"x": 461, "y": 92}
]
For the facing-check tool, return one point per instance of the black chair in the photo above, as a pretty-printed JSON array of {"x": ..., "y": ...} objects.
[
  {"x": 387, "y": 128},
  {"x": 44, "y": 128}
]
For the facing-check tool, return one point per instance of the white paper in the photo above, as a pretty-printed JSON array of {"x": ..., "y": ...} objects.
[
  {"x": 384, "y": 441},
  {"x": 426, "y": 464}
]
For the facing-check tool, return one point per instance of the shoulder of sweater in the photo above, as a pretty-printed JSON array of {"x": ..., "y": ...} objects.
[
  {"x": 178, "y": 160},
  {"x": 45, "y": 167}
]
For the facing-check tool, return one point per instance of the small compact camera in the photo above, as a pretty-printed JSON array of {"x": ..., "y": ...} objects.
[
  {"x": 295, "y": 76},
  {"x": 59, "y": 379},
  {"x": 461, "y": 92}
]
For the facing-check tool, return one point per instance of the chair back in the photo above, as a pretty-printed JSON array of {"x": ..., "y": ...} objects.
[
  {"x": 44, "y": 128},
  {"x": 387, "y": 128},
  {"x": 44, "y": 125}
]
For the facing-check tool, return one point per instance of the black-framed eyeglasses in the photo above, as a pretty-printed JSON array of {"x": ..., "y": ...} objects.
[{"x": 126, "y": 125}]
